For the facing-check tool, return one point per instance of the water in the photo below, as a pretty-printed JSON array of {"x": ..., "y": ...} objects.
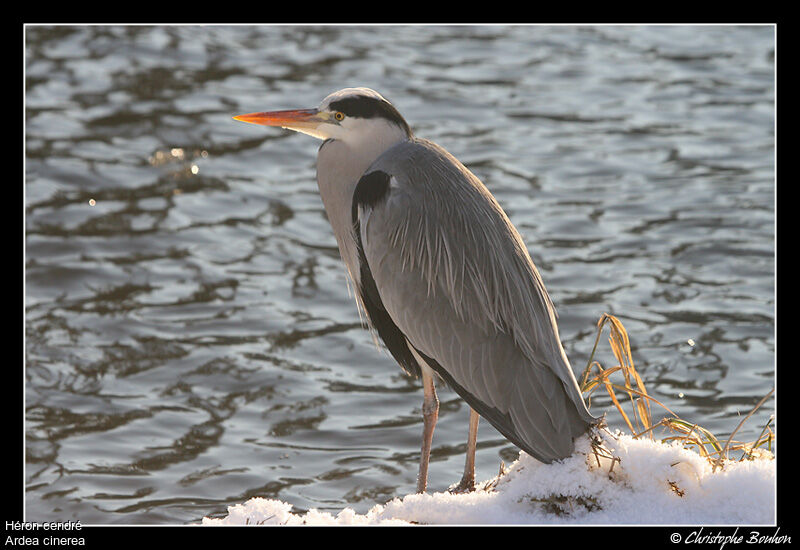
[{"x": 190, "y": 340}]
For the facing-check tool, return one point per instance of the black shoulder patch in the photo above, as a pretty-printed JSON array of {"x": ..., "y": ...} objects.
[{"x": 371, "y": 189}]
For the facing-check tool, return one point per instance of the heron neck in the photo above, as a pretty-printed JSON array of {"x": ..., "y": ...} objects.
[{"x": 339, "y": 167}]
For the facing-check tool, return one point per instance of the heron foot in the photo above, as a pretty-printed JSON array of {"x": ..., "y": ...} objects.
[{"x": 466, "y": 485}]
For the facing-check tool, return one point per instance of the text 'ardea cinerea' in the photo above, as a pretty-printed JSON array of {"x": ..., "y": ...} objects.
[{"x": 442, "y": 275}]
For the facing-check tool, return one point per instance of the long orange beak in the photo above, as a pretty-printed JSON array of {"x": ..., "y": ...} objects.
[{"x": 294, "y": 119}]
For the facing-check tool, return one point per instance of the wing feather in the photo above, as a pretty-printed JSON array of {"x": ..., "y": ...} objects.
[{"x": 456, "y": 279}]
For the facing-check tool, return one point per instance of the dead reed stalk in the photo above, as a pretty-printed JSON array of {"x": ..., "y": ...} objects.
[{"x": 632, "y": 385}]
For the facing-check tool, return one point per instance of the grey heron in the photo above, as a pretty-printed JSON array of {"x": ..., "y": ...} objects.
[{"x": 442, "y": 275}]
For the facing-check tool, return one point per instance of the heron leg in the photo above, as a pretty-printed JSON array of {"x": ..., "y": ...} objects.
[
  {"x": 430, "y": 413},
  {"x": 467, "y": 483}
]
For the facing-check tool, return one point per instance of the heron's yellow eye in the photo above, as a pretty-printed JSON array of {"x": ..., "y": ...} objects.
[{"x": 338, "y": 115}]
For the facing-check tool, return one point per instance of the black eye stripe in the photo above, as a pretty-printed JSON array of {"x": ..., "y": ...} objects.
[{"x": 369, "y": 107}]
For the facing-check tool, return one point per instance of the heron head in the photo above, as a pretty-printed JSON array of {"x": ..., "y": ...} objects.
[{"x": 351, "y": 115}]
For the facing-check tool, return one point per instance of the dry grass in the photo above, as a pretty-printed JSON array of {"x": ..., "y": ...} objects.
[{"x": 631, "y": 393}]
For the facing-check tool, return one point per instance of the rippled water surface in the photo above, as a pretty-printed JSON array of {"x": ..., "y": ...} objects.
[{"x": 190, "y": 339}]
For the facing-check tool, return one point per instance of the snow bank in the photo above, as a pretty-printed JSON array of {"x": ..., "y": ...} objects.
[{"x": 652, "y": 483}]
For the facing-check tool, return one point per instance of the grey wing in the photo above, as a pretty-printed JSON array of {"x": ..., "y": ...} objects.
[{"x": 457, "y": 281}]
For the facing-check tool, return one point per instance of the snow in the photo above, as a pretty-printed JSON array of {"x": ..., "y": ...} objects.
[{"x": 652, "y": 483}]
